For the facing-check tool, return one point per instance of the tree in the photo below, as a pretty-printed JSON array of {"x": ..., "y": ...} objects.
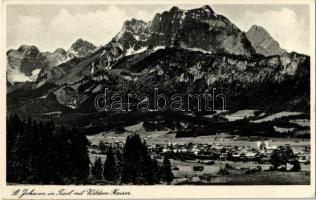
[
  {"x": 166, "y": 170},
  {"x": 102, "y": 147},
  {"x": 137, "y": 165},
  {"x": 110, "y": 172},
  {"x": 296, "y": 166},
  {"x": 147, "y": 165},
  {"x": 281, "y": 156},
  {"x": 132, "y": 160},
  {"x": 156, "y": 171},
  {"x": 79, "y": 156},
  {"x": 96, "y": 170}
]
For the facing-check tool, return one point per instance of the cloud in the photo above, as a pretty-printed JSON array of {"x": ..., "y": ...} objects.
[
  {"x": 26, "y": 29},
  {"x": 64, "y": 28},
  {"x": 29, "y": 20},
  {"x": 97, "y": 27},
  {"x": 284, "y": 26}
]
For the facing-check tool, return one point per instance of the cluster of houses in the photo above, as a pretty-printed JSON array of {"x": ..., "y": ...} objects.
[
  {"x": 260, "y": 153},
  {"x": 214, "y": 151}
]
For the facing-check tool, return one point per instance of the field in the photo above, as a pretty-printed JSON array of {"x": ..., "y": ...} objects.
[
  {"x": 241, "y": 114},
  {"x": 264, "y": 178},
  {"x": 277, "y": 115},
  {"x": 210, "y": 175}
]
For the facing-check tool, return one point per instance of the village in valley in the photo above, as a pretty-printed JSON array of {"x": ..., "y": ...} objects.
[{"x": 216, "y": 159}]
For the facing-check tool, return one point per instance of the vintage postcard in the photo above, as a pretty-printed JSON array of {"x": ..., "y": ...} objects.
[{"x": 157, "y": 99}]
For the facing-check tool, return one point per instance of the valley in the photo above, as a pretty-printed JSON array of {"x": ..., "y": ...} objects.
[{"x": 212, "y": 153}]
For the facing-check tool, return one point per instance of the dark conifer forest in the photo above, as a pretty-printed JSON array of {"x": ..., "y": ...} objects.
[{"x": 42, "y": 153}]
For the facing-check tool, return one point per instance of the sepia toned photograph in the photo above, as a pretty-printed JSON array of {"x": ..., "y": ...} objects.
[{"x": 158, "y": 94}]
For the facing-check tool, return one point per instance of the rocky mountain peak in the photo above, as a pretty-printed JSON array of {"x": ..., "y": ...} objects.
[
  {"x": 25, "y": 63},
  {"x": 29, "y": 50},
  {"x": 82, "y": 43},
  {"x": 263, "y": 42},
  {"x": 255, "y": 27},
  {"x": 199, "y": 28},
  {"x": 207, "y": 8},
  {"x": 174, "y": 9},
  {"x": 60, "y": 51},
  {"x": 81, "y": 48},
  {"x": 24, "y": 47},
  {"x": 134, "y": 26}
]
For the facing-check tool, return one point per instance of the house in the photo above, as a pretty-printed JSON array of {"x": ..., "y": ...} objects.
[
  {"x": 183, "y": 150},
  {"x": 236, "y": 155},
  {"x": 250, "y": 155},
  {"x": 165, "y": 150},
  {"x": 223, "y": 156}
]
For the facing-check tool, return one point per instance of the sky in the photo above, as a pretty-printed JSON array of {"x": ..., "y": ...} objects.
[{"x": 53, "y": 26}]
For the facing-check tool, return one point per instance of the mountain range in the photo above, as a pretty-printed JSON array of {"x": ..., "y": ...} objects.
[
  {"x": 179, "y": 51},
  {"x": 25, "y": 63}
]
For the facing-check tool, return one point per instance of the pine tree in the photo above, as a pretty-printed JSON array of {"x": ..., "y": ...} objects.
[
  {"x": 132, "y": 160},
  {"x": 97, "y": 170},
  {"x": 147, "y": 165},
  {"x": 110, "y": 172},
  {"x": 48, "y": 155},
  {"x": 65, "y": 162},
  {"x": 79, "y": 156},
  {"x": 137, "y": 165},
  {"x": 102, "y": 147},
  {"x": 166, "y": 170},
  {"x": 156, "y": 171}
]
